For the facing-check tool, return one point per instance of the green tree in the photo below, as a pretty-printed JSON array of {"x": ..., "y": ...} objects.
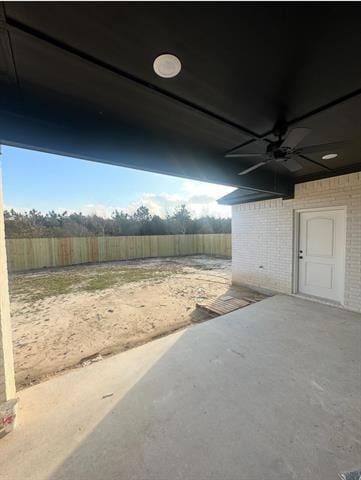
[
  {"x": 182, "y": 219},
  {"x": 52, "y": 224}
]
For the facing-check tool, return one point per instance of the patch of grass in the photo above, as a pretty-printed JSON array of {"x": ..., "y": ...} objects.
[
  {"x": 103, "y": 280},
  {"x": 34, "y": 288},
  {"x": 100, "y": 282}
]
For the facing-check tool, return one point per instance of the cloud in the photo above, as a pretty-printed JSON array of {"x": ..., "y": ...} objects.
[
  {"x": 192, "y": 187},
  {"x": 200, "y": 198},
  {"x": 98, "y": 209}
]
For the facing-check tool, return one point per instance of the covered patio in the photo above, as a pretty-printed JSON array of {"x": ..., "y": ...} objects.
[
  {"x": 262, "y": 97},
  {"x": 271, "y": 391}
]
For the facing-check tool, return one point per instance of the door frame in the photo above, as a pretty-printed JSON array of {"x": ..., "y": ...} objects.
[{"x": 296, "y": 240}]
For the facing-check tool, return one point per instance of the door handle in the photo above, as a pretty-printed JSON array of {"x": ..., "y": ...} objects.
[{"x": 300, "y": 256}]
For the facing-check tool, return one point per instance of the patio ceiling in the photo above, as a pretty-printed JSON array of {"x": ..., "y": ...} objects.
[{"x": 77, "y": 79}]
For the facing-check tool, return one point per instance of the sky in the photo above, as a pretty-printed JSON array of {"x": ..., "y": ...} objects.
[{"x": 46, "y": 182}]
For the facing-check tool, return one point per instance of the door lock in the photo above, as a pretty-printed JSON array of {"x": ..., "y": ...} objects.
[{"x": 300, "y": 256}]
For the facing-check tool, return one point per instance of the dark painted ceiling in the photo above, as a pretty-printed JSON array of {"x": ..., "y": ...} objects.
[{"x": 77, "y": 79}]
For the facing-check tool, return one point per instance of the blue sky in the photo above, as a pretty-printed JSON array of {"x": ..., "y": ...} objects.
[{"x": 50, "y": 182}]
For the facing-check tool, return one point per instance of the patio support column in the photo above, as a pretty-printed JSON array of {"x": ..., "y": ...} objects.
[{"x": 7, "y": 377}]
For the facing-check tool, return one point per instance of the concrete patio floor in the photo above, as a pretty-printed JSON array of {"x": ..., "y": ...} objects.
[{"x": 269, "y": 392}]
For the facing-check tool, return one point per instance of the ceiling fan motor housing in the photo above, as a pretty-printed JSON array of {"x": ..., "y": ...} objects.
[
  {"x": 275, "y": 151},
  {"x": 280, "y": 154}
]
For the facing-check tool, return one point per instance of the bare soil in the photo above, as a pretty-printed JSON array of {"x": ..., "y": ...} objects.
[{"x": 71, "y": 316}]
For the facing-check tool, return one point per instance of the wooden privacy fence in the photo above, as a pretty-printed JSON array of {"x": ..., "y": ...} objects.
[{"x": 32, "y": 253}]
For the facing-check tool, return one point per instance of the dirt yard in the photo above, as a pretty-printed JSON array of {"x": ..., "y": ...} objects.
[{"x": 72, "y": 316}]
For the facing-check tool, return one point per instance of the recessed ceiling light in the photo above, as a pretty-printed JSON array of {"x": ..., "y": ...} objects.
[
  {"x": 329, "y": 156},
  {"x": 167, "y": 65}
]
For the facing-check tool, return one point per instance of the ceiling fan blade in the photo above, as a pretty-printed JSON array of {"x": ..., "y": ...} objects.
[
  {"x": 245, "y": 155},
  {"x": 321, "y": 148},
  {"x": 254, "y": 167},
  {"x": 292, "y": 165},
  {"x": 295, "y": 136}
]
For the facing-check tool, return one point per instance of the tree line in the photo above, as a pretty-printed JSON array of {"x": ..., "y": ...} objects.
[{"x": 34, "y": 224}]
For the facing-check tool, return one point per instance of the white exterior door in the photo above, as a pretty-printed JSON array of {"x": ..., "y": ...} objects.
[{"x": 321, "y": 254}]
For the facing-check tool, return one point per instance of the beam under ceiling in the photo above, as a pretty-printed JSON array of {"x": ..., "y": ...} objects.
[{"x": 26, "y": 132}]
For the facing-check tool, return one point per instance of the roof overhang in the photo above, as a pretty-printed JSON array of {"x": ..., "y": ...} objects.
[
  {"x": 243, "y": 195},
  {"x": 89, "y": 90}
]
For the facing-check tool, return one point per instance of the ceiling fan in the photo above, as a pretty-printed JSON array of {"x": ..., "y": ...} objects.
[{"x": 285, "y": 150}]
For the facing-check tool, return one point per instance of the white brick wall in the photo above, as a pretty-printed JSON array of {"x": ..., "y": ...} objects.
[{"x": 262, "y": 235}]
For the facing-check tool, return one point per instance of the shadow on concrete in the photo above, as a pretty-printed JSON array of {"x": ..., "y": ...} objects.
[{"x": 262, "y": 393}]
